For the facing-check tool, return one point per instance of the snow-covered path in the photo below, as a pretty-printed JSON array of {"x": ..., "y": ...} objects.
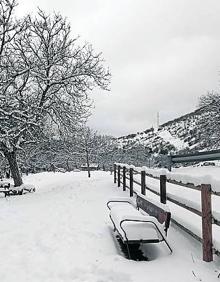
[{"x": 63, "y": 233}]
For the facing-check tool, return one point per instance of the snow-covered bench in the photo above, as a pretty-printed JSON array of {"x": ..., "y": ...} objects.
[
  {"x": 4, "y": 187},
  {"x": 134, "y": 226},
  {"x": 8, "y": 189}
]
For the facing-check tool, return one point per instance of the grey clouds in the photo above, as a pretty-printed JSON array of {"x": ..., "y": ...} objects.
[{"x": 163, "y": 55}]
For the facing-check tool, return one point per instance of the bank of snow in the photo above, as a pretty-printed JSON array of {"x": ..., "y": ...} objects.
[
  {"x": 176, "y": 142},
  {"x": 62, "y": 232}
]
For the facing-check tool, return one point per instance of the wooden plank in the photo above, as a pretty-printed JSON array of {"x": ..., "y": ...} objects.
[
  {"x": 215, "y": 193},
  {"x": 184, "y": 206},
  {"x": 216, "y": 221},
  {"x": 187, "y": 230},
  {"x": 136, "y": 182},
  {"x": 152, "y": 176},
  {"x": 124, "y": 178},
  {"x": 152, "y": 191},
  {"x": 206, "y": 222},
  {"x": 176, "y": 202},
  {"x": 152, "y": 209},
  {"x": 163, "y": 193},
  {"x": 127, "y": 187},
  {"x": 143, "y": 183},
  {"x": 131, "y": 182},
  {"x": 186, "y": 185},
  {"x": 216, "y": 252}
]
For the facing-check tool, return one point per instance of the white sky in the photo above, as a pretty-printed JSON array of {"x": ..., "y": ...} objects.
[{"x": 162, "y": 55}]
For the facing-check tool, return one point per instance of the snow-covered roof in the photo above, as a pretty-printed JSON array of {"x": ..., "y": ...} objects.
[{"x": 90, "y": 165}]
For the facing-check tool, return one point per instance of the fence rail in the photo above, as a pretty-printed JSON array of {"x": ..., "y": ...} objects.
[
  {"x": 205, "y": 213},
  {"x": 194, "y": 157}
]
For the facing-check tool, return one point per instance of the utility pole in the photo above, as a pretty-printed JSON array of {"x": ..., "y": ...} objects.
[{"x": 158, "y": 120}]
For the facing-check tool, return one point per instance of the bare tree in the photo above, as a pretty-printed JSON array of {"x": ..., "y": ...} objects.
[
  {"x": 13, "y": 77},
  {"x": 44, "y": 75},
  {"x": 89, "y": 145}
]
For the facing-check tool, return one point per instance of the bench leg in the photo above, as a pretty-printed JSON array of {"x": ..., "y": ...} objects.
[
  {"x": 164, "y": 239},
  {"x": 114, "y": 227},
  {"x": 168, "y": 246},
  {"x": 129, "y": 254}
]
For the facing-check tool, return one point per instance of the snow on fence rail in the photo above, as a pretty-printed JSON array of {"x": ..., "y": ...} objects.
[
  {"x": 123, "y": 172},
  {"x": 188, "y": 181}
]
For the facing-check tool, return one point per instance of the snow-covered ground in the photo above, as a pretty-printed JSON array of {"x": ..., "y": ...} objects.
[{"x": 62, "y": 232}]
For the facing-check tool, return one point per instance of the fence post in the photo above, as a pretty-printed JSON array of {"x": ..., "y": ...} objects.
[
  {"x": 143, "y": 182},
  {"x": 206, "y": 222},
  {"x": 119, "y": 175},
  {"x": 169, "y": 165},
  {"x": 124, "y": 178},
  {"x": 163, "y": 193},
  {"x": 131, "y": 181},
  {"x": 115, "y": 167}
]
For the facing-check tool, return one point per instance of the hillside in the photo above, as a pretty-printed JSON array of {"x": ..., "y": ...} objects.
[{"x": 189, "y": 132}]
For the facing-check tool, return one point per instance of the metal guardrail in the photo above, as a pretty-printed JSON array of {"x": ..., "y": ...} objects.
[{"x": 194, "y": 157}]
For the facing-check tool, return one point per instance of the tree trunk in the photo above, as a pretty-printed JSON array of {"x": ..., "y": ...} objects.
[
  {"x": 12, "y": 160},
  {"x": 67, "y": 164},
  {"x": 87, "y": 161}
]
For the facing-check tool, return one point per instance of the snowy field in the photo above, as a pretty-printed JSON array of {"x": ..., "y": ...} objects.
[{"x": 62, "y": 232}]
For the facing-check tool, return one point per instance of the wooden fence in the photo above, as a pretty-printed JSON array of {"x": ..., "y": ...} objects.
[{"x": 122, "y": 174}]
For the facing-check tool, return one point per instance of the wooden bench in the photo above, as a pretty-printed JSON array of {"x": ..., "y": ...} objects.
[
  {"x": 143, "y": 221},
  {"x": 5, "y": 188}
]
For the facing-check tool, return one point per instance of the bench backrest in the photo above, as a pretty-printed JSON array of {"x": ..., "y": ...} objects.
[{"x": 152, "y": 209}]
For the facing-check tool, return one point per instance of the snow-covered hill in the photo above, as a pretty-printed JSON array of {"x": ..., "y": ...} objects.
[{"x": 186, "y": 133}]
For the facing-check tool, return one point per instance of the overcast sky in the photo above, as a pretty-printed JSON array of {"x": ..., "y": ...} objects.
[{"x": 163, "y": 55}]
